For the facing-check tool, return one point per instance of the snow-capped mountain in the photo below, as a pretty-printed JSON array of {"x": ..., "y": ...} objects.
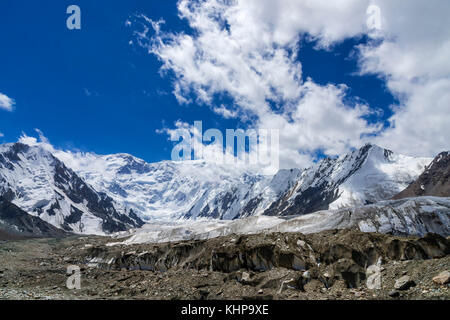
[
  {"x": 94, "y": 194},
  {"x": 434, "y": 181},
  {"x": 40, "y": 184},
  {"x": 196, "y": 189},
  {"x": 361, "y": 177}
]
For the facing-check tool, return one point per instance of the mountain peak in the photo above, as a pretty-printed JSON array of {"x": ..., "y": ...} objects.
[{"x": 375, "y": 148}]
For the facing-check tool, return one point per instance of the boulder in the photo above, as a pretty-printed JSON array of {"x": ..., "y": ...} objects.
[
  {"x": 442, "y": 278},
  {"x": 394, "y": 294},
  {"x": 245, "y": 277},
  {"x": 404, "y": 283}
]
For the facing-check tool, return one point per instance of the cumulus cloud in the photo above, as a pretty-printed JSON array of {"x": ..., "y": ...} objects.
[
  {"x": 6, "y": 103},
  {"x": 247, "y": 51},
  {"x": 1, "y": 135},
  {"x": 413, "y": 59}
]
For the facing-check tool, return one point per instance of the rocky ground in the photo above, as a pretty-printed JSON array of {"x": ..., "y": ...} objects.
[{"x": 328, "y": 265}]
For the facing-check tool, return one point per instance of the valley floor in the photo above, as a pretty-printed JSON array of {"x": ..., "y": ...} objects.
[{"x": 263, "y": 266}]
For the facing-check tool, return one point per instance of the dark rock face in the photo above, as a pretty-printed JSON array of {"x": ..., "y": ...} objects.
[
  {"x": 16, "y": 223},
  {"x": 311, "y": 200},
  {"x": 435, "y": 181}
]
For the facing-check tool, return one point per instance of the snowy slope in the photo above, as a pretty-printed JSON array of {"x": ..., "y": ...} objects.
[
  {"x": 40, "y": 184},
  {"x": 163, "y": 191},
  {"x": 413, "y": 216},
  {"x": 382, "y": 175}
]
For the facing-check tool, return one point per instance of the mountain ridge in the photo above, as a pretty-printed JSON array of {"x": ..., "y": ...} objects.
[
  {"x": 195, "y": 189},
  {"x": 89, "y": 193}
]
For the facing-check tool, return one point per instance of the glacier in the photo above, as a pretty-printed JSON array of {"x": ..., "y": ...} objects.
[{"x": 411, "y": 216}]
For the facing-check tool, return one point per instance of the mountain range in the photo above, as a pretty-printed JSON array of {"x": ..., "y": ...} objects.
[
  {"x": 197, "y": 189},
  {"x": 85, "y": 193}
]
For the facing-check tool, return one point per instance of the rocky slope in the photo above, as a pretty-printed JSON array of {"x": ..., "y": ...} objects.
[
  {"x": 340, "y": 265},
  {"x": 434, "y": 181},
  {"x": 43, "y": 186},
  {"x": 17, "y": 224}
]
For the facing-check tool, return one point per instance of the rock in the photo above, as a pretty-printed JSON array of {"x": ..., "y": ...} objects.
[
  {"x": 394, "y": 294},
  {"x": 291, "y": 283},
  {"x": 404, "y": 283},
  {"x": 442, "y": 278},
  {"x": 203, "y": 294},
  {"x": 301, "y": 244},
  {"x": 245, "y": 278},
  {"x": 260, "y": 297},
  {"x": 306, "y": 275}
]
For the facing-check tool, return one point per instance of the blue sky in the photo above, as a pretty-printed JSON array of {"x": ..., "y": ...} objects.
[{"x": 91, "y": 90}]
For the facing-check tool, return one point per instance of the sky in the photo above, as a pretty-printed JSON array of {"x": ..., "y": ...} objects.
[{"x": 331, "y": 76}]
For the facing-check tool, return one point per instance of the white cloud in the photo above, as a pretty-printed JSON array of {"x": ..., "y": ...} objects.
[
  {"x": 31, "y": 141},
  {"x": 414, "y": 60},
  {"x": 6, "y": 102},
  {"x": 247, "y": 50},
  {"x": 40, "y": 141},
  {"x": 1, "y": 135}
]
